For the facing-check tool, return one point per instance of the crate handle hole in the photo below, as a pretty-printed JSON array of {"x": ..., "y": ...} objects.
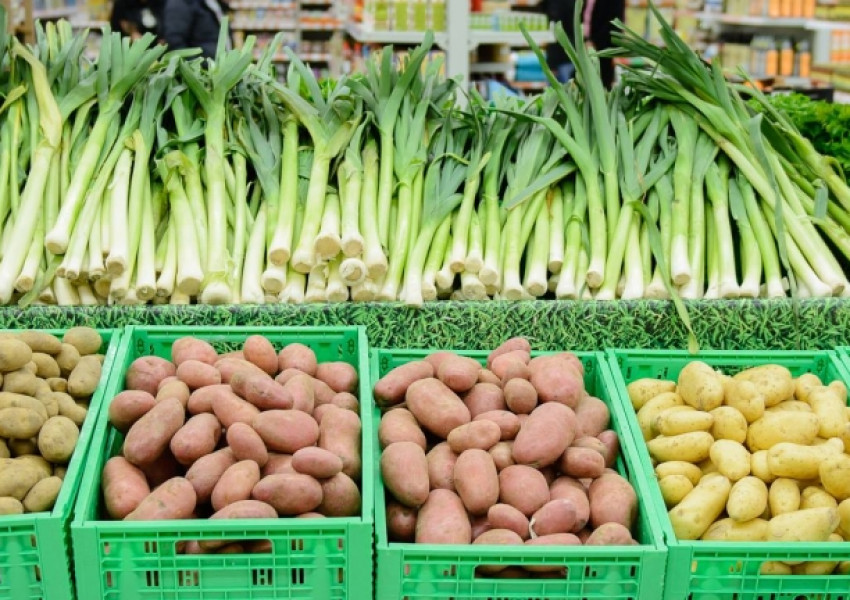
[
  {"x": 152, "y": 578},
  {"x": 340, "y": 544},
  {"x": 189, "y": 578},
  {"x": 108, "y": 580},
  {"x": 297, "y": 545},
  {"x": 340, "y": 576},
  {"x": 523, "y": 571},
  {"x": 298, "y": 576},
  {"x": 151, "y": 547},
  {"x": 262, "y": 577},
  {"x": 33, "y": 541},
  {"x": 224, "y": 546}
]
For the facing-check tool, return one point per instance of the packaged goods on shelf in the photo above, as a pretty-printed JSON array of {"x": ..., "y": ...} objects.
[{"x": 401, "y": 15}]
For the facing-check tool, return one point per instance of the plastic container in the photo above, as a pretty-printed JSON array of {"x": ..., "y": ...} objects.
[
  {"x": 310, "y": 558},
  {"x": 431, "y": 572},
  {"x": 36, "y": 560},
  {"x": 700, "y": 570}
]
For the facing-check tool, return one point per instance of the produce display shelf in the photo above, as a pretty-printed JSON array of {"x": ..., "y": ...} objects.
[
  {"x": 36, "y": 561},
  {"x": 431, "y": 572},
  {"x": 311, "y": 558},
  {"x": 700, "y": 570}
]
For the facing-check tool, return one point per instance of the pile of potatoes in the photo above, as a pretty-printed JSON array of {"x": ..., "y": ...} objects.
[
  {"x": 47, "y": 383},
  {"x": 514, "y": 453},
  {"x": 756, "y": 456},
  {"x": 254, "y": 433}
]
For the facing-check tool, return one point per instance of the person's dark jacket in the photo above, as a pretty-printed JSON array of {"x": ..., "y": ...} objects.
[
  {"x": 137, "y": 16},
  {"x": 560, "y": 11},
  {"x": 191, "y": 24},
  {"x": 604, "y": 12}
]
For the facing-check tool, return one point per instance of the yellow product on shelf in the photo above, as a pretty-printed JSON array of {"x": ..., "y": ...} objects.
[
  {"x": 774, "y": 8},
  {"x": 438, "y": 15},
  {"x": 809, "y": 8},
  {"x": 771, "y": 60},
  {"x": 400, "y": 10},
  {"x": 786, "y": 59},
  {"x": 803, "y": 59},
  {"x": 420, "y": 15}
]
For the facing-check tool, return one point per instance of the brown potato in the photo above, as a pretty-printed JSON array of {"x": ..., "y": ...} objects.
[
  {"x": 297, "y": 356},
  {"x": 524, "y": 488},
  {"x": 300, "y": 389},
  {"x": 235, "y": 484},
  {"x": 247, "y": 444},
  {"x": 197, "y": 374},
  {"x": 290, "y": 493},
  {"x": 228, "y": 367},
  {"x": 340, "y": 376},
  {"x": 230, "y": 408},
  {"x": 261, "y": 391},
  {"x": 404, "y": 469},
  {"x": 148, "y": 438},
  {"x": 345, "y": 400},
  {"x": 340, "y": 497},
  {"x": 520, "y": 396},
  {"x": 40, "y": 341},
  {"x": 191, "y": 348},
  {"x": 443, "y": 520},
  {"x": 505, "y": 516},
  {"x": 42, "y": 496},
  {"x": 67, "y": 358},
  {"x": 286, "y": 430},
  {"x": 46, "y": 365},
  {"x": 124, "y": 487},
  {"x": 85, "y": 339},
  {"x": 18, "y": 477},
  {"x": 198, "y": 437},
  {"x": 507, "y": 421},
  {"x": 83, "y": 380},
  {"x": 58, "y": 384},
  {"x": 459, "y": 373},
  {"x": 441, "y": 466},
  {"x": 14, "y": 354},
  {"x": 475, "y": 434},
  {"x": 174, "y": 499},
  {"x": 146, "y": 372},
  {"x": 401, "y": 522},
  {"x": 259, "y": 350},
  {"x": 488, "y": 376},
  {"x": 399, "y": 425},
  {"x": 69, "y": 408},
  {"x": 556, "y": 516},
  {"x": 174, "y": 389},
  {"x": 391, "y": 389},
  {"x": 58, "y": 439},
  {"x": 476, "y": 480},
  {"x": 612, "y": 500},
  {"x": 437, "y": 408},
  {"x": 542, "y": 439},
  {"x": 278, "y": 463},
  {"x": 20, "y": 382},
  {"x": 484, "y": 397},
  {"x": 340, "y": 434},
  {"x": 207, "y": 470},
  {"x": 316, "y": 462}
]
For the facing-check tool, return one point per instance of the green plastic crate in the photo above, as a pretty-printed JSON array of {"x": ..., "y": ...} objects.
[
  {"x": 35, "y": 560},
  {"x": 699, "y": 570},
  {"x": 311, "y": 558},
  {"x": 429, "y": 572}
]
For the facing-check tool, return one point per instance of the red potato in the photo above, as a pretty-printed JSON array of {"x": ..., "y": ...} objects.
[
  {"x": 200, "y": 401},
  {"x": 128, "y": 407},
  {"x": 441, "y": 466},
  {"x": 300, "y": 389},
  {"x": 555, "y": 539},
  {"x": 582, "y": 463},
  {"x": 520, "y": 396},
  {"x": 191, "y": 348},
  {"x": 124, "y": 487},
  {"x": 391, "y": 389},
  {"x": 524, "y": 488},
  {"x": 288, "y": 374},
  {"x": 476, "y": 481},
  {"x": 345, "y": 400},
  {"x": 175, "y": 388},
  {"x": 443, "y": 520},
  {"x": 503, "y": 454},
  {"x": 557, "y": 379},
  {"x": 290, "y": 493},
  {"x": 484, "y": 397},
  {"x": 511, "y": 365},
  {"x": 198, "y": 437},
  {"x": 479, "y": 525},
  {"x": 192, "y": 547},
  {"x": 401, "y": 522},
  {"x": 174, "y": 499},
  {"x": 592, "y": 416},
  {"x": 322, "y": 392},
  {"x": 488, "y": 376},
  {"x": 511, "y": 345},
  {"x": 592, "y": 443},
  {"x": 507, "y": 422},
  {"x": 399, "y": 425},
  {"x": 612, "y": 445},
  {"x": 437, "y": 408},
  {"x": 207, "y": 470},
  {"x": 612, "y": 500},
  {"x": 310, "y": 515},
  {"x": 286, "y": 430},
  {"x": 230, "y": 409},
  {"x": 261, "y": 391},
  {"x": 241, "y": 509},
  {"x": 165, "y": 382},
  {"x": 320, "y": 411},
  {"x": 459, "y": 373},
  {"x": 316, "y": 462},
  {"x": 146, "y": 372},
  {"x": 228, "y": 367},
  {"x": 232, "y": 548},
  {"x": 246, "y": 444},
  {"x": 235, "y": 484},
  {"x": 340, "y": 433},
  {"x": 542, "y": 439},
  {"x": 278, "y": 464},
  {"x": 162, "y": 469},
  {"x": 566, "y": 488},
  {"x": 340, "y": 497},
  {"x": 556, "y": 516},
  {"x": 150, "y": 435},
  {"x": 505, "y": 516},
  {"x": 232, "y": 354},
  {"x": 568, "y": 358},
  {"x": 297, "y": 356},
  {"x": 404, "y": 469},
  {"x": 197, "y": 374},
  {"x": 259, "y": 350},
  {"x": 496, "y": 537},
  {"x": 340, "y": 376},
  {"x": 437, "y": 358},
  {"x": 475, "y": 434},
  {"x": 610, "y": 534}
]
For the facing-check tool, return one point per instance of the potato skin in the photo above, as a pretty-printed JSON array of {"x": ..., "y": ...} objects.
[
  {"x": 150, "y": 436},
  {"x": 14, "y": 354},
  {"x": 230, "y": 408},
  {"x": 404, "y": 469},
  {"x": 556, "y": 516},
  {"x": 700, "y": 386},
  {"x": 476, "y": 480},
  {"x": 747, "y": 499},
  {"x": 612, "y": 499},
  {"x": 692, "y": 517},
  {"x": 340, "y": 497},
  {"x": 392, "y": 388},
  {"x": 259, "y": 350},
  {"x": 443, "y": 520},
  {"x": 173, "y": 388},
  {"x": 592, "y": 416},
  {"x": 340, "y": 433},
  {"x": 610, "y": 534},
  {"x": 582, "y": 462},
  {"x": 441, "y": 465},
  {"x": 261, "y": 391},
  {"x": 20, "y": 423},
  {"x": 484, "y": 397},
  {"x": 643, "y": 390},
  {"x": 459, "y": 373},
  {"x": 549, "y": 430},
  {"x": 475, "y": 434},
  {"x": 523, "y": 487},
  {"x": 558, "y": 378},
  {"x": 42, "y": 496},
  {"x": 773, "y": 381},
  {"x": 286, "y": 430},
  {"x": 520, "y": 396},
  {"x": 316, "y": 462},
  {"x": 235, "y": 484},
  {"x": 205, "y": 472},
  {"x": 297, "y": 356},
  {"x": 399, "y": 425},
  {"x": 566, "y": 488},
  {"x": 58, "y": 439},
  {"x": 246, "y": 444},
  {"x": 300, "y": 389},
  {"x": 436, "y": 407},
  {"x": 510, "y": 345},
  {"x": 198, "y": 437},
  {"x": 505, "y": 516},
  {"x": 289, "y": 493},
  {"x": 124, "y": 487},
  {"x": 174, "y": 499},
  {"x": 401, "y": 522},
  {"x": 197, "y": 374},
  {"x": 192, "y": 348},
  {"x": 146, "y": 372},
  {"x": 84, "y": 379},
  {"x": 507, "y": 421},
  {"x": 340, "y": 376},
  {"x": 775, "y": 427}
]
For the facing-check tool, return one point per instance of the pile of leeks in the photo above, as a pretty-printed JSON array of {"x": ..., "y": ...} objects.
[{"x": 153, "y": 176}]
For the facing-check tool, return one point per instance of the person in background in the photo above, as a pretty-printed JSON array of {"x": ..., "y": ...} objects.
[
  {"x": 598, "y": 15},
  {"x": 193, "y": 24},
  {"x": 561, "y": 11},
  {"x": 134, "y": 18}
]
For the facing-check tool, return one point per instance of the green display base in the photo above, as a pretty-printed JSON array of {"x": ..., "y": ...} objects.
[{"x": 549, "y": 325}]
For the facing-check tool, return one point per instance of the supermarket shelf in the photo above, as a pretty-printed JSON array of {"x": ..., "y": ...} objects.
[
  {"x": 390, "y": 37},
  {"x": 49, "y": 14},
  {"x": 94, "y": 26},
  {"x": 528, "y": 86},
  {"x": 308, "y": 26},
  {"x": 511, "y": 38},
  {"x": 261, "y": 4},
  {"x": 490, "y": 67},
  {"x": 262, "y": 25},
  {"x": 308, "y": 57},
  {"x": 772, "y": 22}
]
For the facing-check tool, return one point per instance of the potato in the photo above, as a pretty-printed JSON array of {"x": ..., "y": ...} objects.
[
  {"x": 679, "y": 467},
  {"x": 69, "y": 408},
  {"x": 261, "y": 391},
  {"x": 20, "y": 423},
  {"x": 510, "y": 345},
  {"x": 245, "y": 443},
  {"x": 459, "y": 373},
  {"x": 792, "y": 406},
  {"x": 67, "y": 359},
  {"x": 340, "y": 433},
  {"x": 289, "y": 493},
  {"x": 392, "y": 388},
  {"x": 582, "y": 462},
  {"x": 567, "y": 488},
  {"x": 503, "y": 455},
  {"x": 83, "y": 380},
  {"x": 830, "y": 410},
  {"x": 649, "y": 411},
  {"x": 200, "y": 400},
  {"x": 124, "y": 487},
  {"x": 643, "y": 390},
  {"x": 174, "y": 389},
  {"x": 488, "y": 376},
  {"x": 18, "y": 477},
  {"x": 399, "y": 425},
  {"x": 4, "y": 449},
  {"x": 57, "y": 439},
  {"x": 340, "y": 497},
  {"x": 844, "y": 516},
  {"x": 241, "y": 509},
  {"x": 505, "y": 516},
  {"x": 58, "y": 384},
  {"x": 228, "y": 367},
  {"x": 484, "y": 397},
  {"x": 731, "y": 458},
  {"x": 541, "y": 440},
  {"x": 507, "y": 422},
  {"x": 316, "y": 462},
  {"x": 730, "y": 530},
  {"x": 191, "y": 348},
  {"x": 435, "y": 359},
  {"x": 401, "y": 522},
  {"x": 300, "y": 389},
  {"x": 286, "y": 430},
  {"x": 700, "y": 386},
  {"x": 691, "y": 447},
  {"x": 148, "y": 438},
  {"x": 809, "y": 525},
  {"x": 146, "y": 372},
  {"x": 511, "y": 365},
  {"x": 682, "y": 419},
  {"x": 834, "y": 473},
  {"x": 816, "y": 497},
  {"x": 128, "y": 407},
  {"x": 297, "y": 356},
  {"x": 800, "y": 462},
  {"x": 773, "y": 381},
  {"x": 816, "y": 567},
  {"x": 772, "y": 567},
  {"x": 236, "y": 484},
  {"x": 10, "y": 506},
  {"x": 436, "y": 407},
  {"x": 729, "y": 424},
  {"x": 610, "y": 534},
  {"x": 783, "y": 496},
  {"x": 278, "y": 463},
  {"x": 14, "y": 400},
  {"x": 259, "y": 350},
  {"x": 443, "y": 520},
  {"x": 496, "y": 537},
  {"x": 85, "y": 339},
  {"x": 44, "y": 468},
  {"x": 776, "y": 427},
  {"x": 520, "y": 396},
  {"x": 197, "y": 374},
  {"x": 174, "y": 499},
  {"x": 441, "y": 465},
  {"x": 744, "y": 397},
  {"x": 759, "y": 466},
  {"x": 42, "y": 495},
  {"x": 230, "y": 408},
  {"x": 845, "y": 438},
  {"x": 14, "y": 354},
  {"x": 803, "y": 385},
  {"x": 592, "y": 416},
  {"x": 674, "y": 488},
  {"x": 692, "y": 517},
  {"x": 476, "y": 481},
  {"x": 345, "y": 400},
  {"x": 324, "y": 394},
  {"x": 404, "y": 469},
  {"x": 557, "y": 379},
  {"x": 523, "y": 487},
  {"x": 475, "y": 434},
  {"x": 340, "y": 376},
  {"x": 747, "y": 499},
  {"x": 556, "y": 516},
  {"x": 612, "y": 499},
  {"x": 557, "y": 539},
  {"x": 23, "y": 447},
  {"x": 198, "y": 437}
]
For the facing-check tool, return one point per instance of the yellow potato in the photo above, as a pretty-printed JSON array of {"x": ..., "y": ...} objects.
[
  {"x": 815, "y": 497},
  {"x": 646, "y": 415},
  {"x": 707, "y": 466},
  {"x": 792, "y": 406},
  {"x": 773, "y": 567},
  {"x": 691, "y": 447},
  {"x": 679, "y": 467},
  {"x": 692, "y": 517},
  {"x": 729, "y": 424},
  {"x": 773, "y": 381},
  {"x": 700, "y": 386},
  {"x": 783, "y": 496},
  {"x": 815, "y": 567},
  {"x": 804, "y": 383},
  {"x": 800, "y": 462},
  {"x": 843, "y": 567},
  {"x": 747, "y": 499},
  {"x": 643, "y": 390},
  {"x": 835, "y": 475},
  {"x": 682, "y": 419},
  {"x": 845, "y": 438},
  {"x": 840, "y": 390},
  {"x": 731, "y": 458},
  {"x": 830, "y": 410},
  {"x": 759, "y": 468},
  {"x": 809, "y": 525},
  {"x": 844, "y": 516},
  {"x": 674, "y": 488},
  {"x": 730, "y": 530},
  {"x": 744, "y": 397},
  {"x": 783, "y": 426}
]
